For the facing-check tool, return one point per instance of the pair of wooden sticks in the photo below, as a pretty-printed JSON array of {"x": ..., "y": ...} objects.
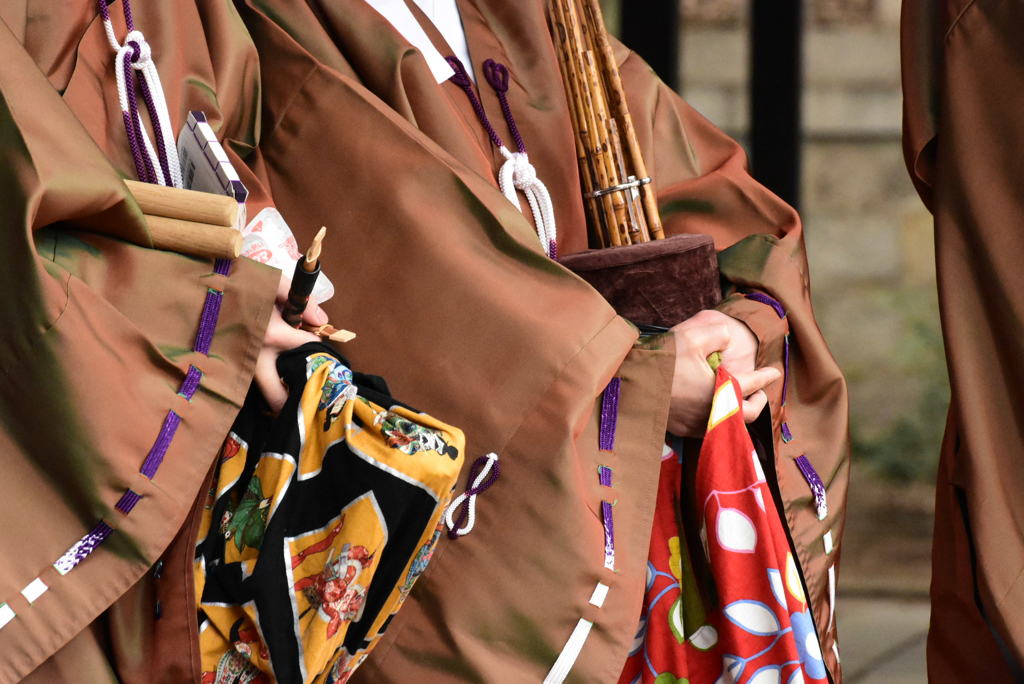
[
  {"x": 205, "y": 224},
  {"x": 621, "y": 204},
  {"x": 187, "y": 221}
]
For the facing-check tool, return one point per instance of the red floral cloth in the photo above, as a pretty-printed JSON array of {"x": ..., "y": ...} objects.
[{"x": 753, "y": 624}]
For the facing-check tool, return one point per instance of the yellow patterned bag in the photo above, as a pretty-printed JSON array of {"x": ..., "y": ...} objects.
[{"x": 318, "y": 524}]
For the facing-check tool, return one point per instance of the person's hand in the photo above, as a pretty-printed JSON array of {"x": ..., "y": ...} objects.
[
  {"x": 694, "y": 382},
  {"x": 281, "y": 337}
]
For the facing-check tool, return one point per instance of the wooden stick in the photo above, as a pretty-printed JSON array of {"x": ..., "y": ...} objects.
[
  {"x": 594, "y": 133},
  {"x": 618, "y": 99},
  {"x": 196, "y": 239},
  {"x": 187, "y": 205},
  {"x": 586, "y": 177},
  {"x": 603, "y": 210}
]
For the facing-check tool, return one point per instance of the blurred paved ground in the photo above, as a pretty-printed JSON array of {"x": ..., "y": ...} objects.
[
  {"x": 883, "y": 582},
  {"x": 882, "y": 640}
]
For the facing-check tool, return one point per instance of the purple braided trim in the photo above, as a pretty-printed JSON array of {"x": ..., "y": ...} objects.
[
  {"x": 191, "y": 383},
  {"x": 785, "y": 368},
  {"x": 609, "y": 414},
  {"x": 127, "y": 501},
  {"x": 471, "y": 491},
  {"x": 769, "y": 301},
  {"x": 160, "y": 446},
  {"x": 609, "y": 535},
  {"x": 462, "y": 79},
  {"x": 208, "y": 321},
  {"x": 553, "y": 250},
  {"x": 154, "y": 119},
  {"x": 604, "y": 476},
  {"x": 787, "y": 436},
  {"x": 816, "y": 485},
  {"x": 82, "y": 548},
  {"x": 104, "y": 11},
  {"x": 222, "y": 267},
  {"x": 496, "y": 74}
]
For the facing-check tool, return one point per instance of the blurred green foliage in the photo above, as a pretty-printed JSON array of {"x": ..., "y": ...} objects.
[{"x": 907, "y": 449}]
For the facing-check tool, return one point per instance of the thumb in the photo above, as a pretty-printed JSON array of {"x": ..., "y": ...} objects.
[{"x": 755, "y": 380}]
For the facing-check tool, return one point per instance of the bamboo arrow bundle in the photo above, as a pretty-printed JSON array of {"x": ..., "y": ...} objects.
[{"x": 620, "y": 200}]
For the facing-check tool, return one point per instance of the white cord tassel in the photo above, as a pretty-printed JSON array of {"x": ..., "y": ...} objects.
[
  {"x": 147, "y": 67},
  {"x": 517, "y": 173},
  {"x": 469, "y": 495}
]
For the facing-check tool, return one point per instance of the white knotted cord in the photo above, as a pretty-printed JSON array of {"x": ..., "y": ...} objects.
[
  {"x": 147, "y": 67},
  {"x": 517, "y": 173},
  {"x": 469, "y": 495}
]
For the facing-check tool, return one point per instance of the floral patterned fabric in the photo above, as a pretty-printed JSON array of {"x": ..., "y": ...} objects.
[
  {"x": 318, "y": 525},
  {"x": 728, "y": 606}
]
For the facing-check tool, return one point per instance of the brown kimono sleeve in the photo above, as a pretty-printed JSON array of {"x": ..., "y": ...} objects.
[
  {"x": 704, "y": 187},
  {"x": 105, "y": 438}
]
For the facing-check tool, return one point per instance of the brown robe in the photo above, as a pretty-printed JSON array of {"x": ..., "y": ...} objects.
[
  {"x": 963, "y": 81},
  {"x": 96, "y": 340},
  {"x": 439, "y": 274},
  {"x": 454, "y": 302}
]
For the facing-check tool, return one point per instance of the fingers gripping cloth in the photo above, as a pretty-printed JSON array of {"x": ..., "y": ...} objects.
[{"x": 460, "y": 517}]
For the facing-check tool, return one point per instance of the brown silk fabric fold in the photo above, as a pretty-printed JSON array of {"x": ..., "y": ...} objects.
[
  {"x": 453, "y": 301},
  {"x": 98, "y": 337},
  {"x": 964, "y": 90}
]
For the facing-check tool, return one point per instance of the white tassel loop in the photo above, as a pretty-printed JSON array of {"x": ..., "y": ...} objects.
[{"x": 517, "y": 173}]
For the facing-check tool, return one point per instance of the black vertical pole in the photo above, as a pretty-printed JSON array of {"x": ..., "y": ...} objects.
[
  {"x": 775, "y": 89},
  {"x": 651, "y": 29}
]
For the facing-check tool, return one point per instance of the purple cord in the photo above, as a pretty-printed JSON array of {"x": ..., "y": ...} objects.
[
  {"x": 609, "y": 414},
  {"x": 604, "y": 476},
  {"x": 132, "y": 123},
  {"x": 496, "y": 74},
  {"x": 781, "y": 312},
  {"x": 462, "y": 79},
  {"x": 222, "y": 267},
  {"x": 474, "y": 472},
  {"x": 147, "y": 95},
  {"x": 133, "y": 130},
  {"x": 765, "y": 299},
  {"x": 129, "y": 20}
]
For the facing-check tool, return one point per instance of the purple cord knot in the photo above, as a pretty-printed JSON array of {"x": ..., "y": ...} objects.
[
  {"x": 497, "y": 75},
  {"x": 461, "y": 77}
]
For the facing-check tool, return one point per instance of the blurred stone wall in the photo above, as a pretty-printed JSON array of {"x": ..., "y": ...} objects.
[{"x": 868, "y": 236}]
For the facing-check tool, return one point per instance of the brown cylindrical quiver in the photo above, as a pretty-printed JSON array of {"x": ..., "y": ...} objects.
[{"x": 660, "y": 283}]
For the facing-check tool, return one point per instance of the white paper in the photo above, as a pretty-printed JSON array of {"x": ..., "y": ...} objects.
[{"x": 268, "y": 240}]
